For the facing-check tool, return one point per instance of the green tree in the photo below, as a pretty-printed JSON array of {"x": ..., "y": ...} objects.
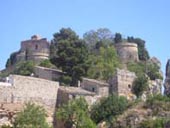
[
  {"x": 33, "y": 116},
  {"x": 108, "y": 108},
  {"x": 93, "y": 37},
  {"x": 24, "y": 68},
  {"x": 75, "y": 113},
  {"x": 118, "y": 38},
  {"x": 140, "y": 85},
  {"x": 71, "y": 55},
  {"x": 152, "y": 70},
  {"x": 103, "y": 65},
  {"x": 138, "y": 68}
]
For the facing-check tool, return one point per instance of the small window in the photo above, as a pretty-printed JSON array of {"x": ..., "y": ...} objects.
[
  {"x": 129, "y": 86},
  {"x": 93, "y": 89},
  {"x": 36, "y": 47}
]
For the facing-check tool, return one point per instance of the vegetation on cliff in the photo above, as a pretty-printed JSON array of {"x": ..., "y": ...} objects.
[
  {"x": 75, "y": 113},
  {"x": 108, "y": 108}
]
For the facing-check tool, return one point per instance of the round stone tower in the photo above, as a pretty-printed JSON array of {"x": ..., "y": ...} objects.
[
  {"x": 36, "y": 49},
  {"x": 127, "y": 51}
]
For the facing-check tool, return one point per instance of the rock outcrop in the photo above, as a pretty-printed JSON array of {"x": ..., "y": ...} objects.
[{"x": 167, "y": 79}]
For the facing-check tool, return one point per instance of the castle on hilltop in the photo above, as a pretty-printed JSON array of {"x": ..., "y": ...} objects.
[
  {"x": 35, "y": 49},
  {"x": 45, "y": 90}
]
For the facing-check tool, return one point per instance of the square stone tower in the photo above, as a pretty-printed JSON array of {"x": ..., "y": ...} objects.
[{"x": 121, "y": 83}]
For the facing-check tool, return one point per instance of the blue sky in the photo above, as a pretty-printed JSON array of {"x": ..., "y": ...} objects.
[{"x": 147, "y": 19}]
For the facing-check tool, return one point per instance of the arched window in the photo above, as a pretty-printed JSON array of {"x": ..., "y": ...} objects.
[{"x": 36, "y": 47}]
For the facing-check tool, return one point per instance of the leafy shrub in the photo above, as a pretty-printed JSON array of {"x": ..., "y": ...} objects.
[
  {"x": 75, "y": 113},
  {"x": 25, "y": 68},
  {"x": 151, "y": 69},
  {"x": 46, "y": 63},
  {"x": 140, "y": 85},
  {"x": 158, "y": 103},
  {"x": 108, "y": 108},
  {"x": 138, "y": 68},
  {"x": 32, "y": 116},
  {"x": 157, "y": 123}
]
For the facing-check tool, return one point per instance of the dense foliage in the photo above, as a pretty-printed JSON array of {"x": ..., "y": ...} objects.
[
  {"x": 33, "y": 116},
  {"x": 152, "y": 70},
  {"x": 75, "y": 113},
  {"x": 158, "y": 103},
  {"x": 24, "y": 68},
  {"x": 103, "y": 65},
  {"x": 71, "y": 55},
  {"x": 140, "y": 85},
  {"x": 108, "y": 108},
  {"x": 101, "y": 36},
  {"x": 46, "y": 63}
]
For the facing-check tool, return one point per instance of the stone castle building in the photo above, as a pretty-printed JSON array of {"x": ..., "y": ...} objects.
[
  {"x": 127, "y": 51},
  {"x": 43, "y": 90},
  {"x": 121, "y": 83},
  {"x": 36, "y": 49}
]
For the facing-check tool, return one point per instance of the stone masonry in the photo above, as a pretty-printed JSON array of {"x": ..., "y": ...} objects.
[
  {"x": 36, "y": 49},
  {"x": 98, "y": 87},
  {"x": 127, "y": 51},
  {"x": 47, "y": 73},
  {"x": 24, "y": 89},
  {"x": 121, "y": 83}
]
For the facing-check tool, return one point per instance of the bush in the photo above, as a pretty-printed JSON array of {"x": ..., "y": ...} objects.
[
  {"x": 46, "y": 63},
  {"x": 75, "y": 113},
  {"x": 25, "y": 68},
  {"x": 140, "y": 85},
  {"x": 138, "y": 68},
  {"x": 32, "y": 116},
  {"x": 158, "y": 103},
  {"x": 108, "y": 108},
  {"x": 157, "y": 123},
  {"x": 151, "y": 69}
]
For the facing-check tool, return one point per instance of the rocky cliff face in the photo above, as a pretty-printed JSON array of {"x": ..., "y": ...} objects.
[{"x": 167, "y": 79}]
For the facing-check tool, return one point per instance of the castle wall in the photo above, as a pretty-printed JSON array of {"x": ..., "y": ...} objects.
[
  {"x": 24, "y": 89},
  {"x": 127, "y": 51}
]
